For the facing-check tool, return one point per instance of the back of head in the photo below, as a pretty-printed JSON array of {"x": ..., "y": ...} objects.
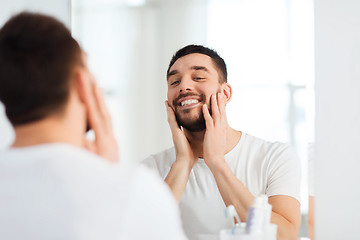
[
  {"x": 190, "y": 49},
  {"x": 37, "y": 56}
]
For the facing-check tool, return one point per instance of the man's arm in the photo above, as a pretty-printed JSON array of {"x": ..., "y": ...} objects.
[
  {"x": 286, "y": 214},
  {"x": 311, "y": 218},
  {"x": 179, "y": 173},
  {"x": 285, "y": 209}
]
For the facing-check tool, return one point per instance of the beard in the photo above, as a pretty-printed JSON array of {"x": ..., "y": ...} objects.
[{"x": 194, "y": 123}]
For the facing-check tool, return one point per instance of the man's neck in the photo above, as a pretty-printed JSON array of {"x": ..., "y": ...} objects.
[
  {"x": 49, "y": 130},
  {"x": 196, "y": 140}
]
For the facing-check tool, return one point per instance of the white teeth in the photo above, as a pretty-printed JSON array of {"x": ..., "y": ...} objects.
[{"x": 188, "y": 102}]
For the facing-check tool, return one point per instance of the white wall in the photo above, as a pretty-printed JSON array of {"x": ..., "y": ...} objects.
[
  {"x": 129, "y": 59},
  {"x": 176, "y": 24},
  {"x": 57, "y": 8},
  {"x": 337, "y": 90}
]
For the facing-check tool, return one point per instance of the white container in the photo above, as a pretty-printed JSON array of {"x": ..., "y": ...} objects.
[
  {"x": 259, "y": 215},
  {"x": 269, "y": 233},
  {"x": 257, "y": 226}
]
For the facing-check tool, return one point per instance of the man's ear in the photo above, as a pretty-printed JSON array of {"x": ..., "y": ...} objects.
[{"x": 227, "y": 91}]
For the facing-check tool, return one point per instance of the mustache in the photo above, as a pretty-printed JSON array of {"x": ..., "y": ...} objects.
[{"x": 182, "y": 95}]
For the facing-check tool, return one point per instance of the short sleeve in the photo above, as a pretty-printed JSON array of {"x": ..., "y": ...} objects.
[
  {"x": 161, "y": 163},
  {"x": 149, "y": 162},
  {"x": 284, "y": 174}
]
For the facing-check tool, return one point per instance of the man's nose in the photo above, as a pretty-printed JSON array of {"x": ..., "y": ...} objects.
[{"x": 186, "y": 85}]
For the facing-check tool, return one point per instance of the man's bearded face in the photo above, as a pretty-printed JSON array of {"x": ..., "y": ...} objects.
[{"x": 191, "y": 119}]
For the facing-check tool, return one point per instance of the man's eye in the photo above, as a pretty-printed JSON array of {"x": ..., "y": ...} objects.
[
  {"x": 175, "y": 82},
  {"x": 198, "y": 78}
]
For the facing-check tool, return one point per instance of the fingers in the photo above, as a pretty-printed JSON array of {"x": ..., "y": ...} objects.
[
  {"x": 182, "y": 146},
  {"x": 221, "y": 103},
  {"x": 100, "y": 103},
  {"x": 208, "y": 119},
  {"x": 215, "y": 112},
  {"x": 98, "y": 115},
  {"x": 90, "y": 102},
  {"x": 171, "y": 117},
  {"x": 218, "y": 114},
  {"x": 103, "y": 110},
  {"x": 99, "y": 120},
  {"x": 214, "y": 107}
]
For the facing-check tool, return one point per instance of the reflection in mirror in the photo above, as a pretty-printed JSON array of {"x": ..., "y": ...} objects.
[{"x": 267, "y": 45}]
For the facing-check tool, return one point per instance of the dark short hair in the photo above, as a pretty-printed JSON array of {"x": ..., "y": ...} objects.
[
  {"x": 37, "y": 57},
  {"x": 189, "y": 49}
]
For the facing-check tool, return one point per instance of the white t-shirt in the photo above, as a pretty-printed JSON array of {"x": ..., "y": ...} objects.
[
  {"x": 263, "y": 167},
  {"x": 57, "y": 191}
]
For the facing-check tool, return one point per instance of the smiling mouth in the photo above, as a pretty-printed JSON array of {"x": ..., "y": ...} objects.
[{"x": 188, "y": 102}]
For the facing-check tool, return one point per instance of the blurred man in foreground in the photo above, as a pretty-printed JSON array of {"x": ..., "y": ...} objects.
[{"x": 55, "y": 184}]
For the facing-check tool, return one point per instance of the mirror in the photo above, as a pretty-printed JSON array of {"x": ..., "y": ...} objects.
[{"x": 267, "y": 45}]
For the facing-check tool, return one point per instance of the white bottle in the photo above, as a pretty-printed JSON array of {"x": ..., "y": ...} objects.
[
  {"x": 259, "y": 214},
  {"x": 267, "y": 209}
]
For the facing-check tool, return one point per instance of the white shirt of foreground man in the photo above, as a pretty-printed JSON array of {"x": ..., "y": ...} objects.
[
  {"x": 58, "y": 191},
  {"x": 212, "y": 165},
  {"x": 55, "y": 183}
]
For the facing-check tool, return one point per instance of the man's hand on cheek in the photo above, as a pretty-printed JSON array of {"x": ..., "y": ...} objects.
[
  {"x": 181, "y": 144},
  {"x": 216, "y": 128},
  {"x": 104, "y": 144}
]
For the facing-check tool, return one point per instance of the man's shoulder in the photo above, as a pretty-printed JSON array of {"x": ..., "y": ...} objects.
[
  {"x": 164, "y": 157},
  {"x": 161, "y": 162},
  {"x": 263, "y": 145},
  {"x": 49, "y": 152},
  {"x": 261, "y": 150},
  {"x": 66, "y": 160}
]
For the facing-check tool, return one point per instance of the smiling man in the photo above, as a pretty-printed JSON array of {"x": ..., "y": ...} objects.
[{"x": 213, "y": 165}]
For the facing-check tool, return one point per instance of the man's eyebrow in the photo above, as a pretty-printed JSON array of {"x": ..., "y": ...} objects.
[
  {"x": 171, "y": 73},
  {"x": 199, "y": 68},
  {"x": 196, "y": 68}
]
